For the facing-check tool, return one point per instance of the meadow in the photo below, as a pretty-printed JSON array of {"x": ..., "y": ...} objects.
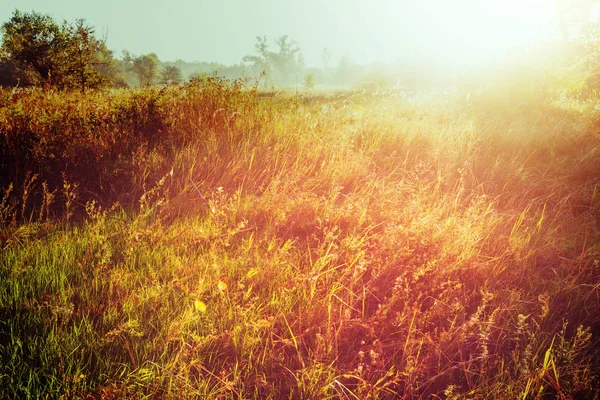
[{"x": 209, "y": 240}]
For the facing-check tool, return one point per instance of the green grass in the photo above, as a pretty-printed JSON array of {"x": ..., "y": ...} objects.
[{"x": 372, "y": 246}]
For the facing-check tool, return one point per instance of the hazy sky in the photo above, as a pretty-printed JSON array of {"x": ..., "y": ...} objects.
[{"x": 454, "y": 31}]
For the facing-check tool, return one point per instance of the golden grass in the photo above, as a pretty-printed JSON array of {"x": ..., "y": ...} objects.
[{"x": 205, "y": 242}]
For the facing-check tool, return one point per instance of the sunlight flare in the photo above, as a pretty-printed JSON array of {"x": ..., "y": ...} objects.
[{"x": 462, "y": 33}]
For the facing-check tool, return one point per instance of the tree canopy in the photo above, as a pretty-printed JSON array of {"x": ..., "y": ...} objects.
[
  {"x": 83, "y": 55},
  {"x": 37, "y": 51},
  {"x": 170, "y": 74},
  {"x": 34, "y": 42},
  {"x": 145, "y": 67}
]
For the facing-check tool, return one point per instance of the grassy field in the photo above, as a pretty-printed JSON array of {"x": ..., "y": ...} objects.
[{"x": 210, "y": 241}]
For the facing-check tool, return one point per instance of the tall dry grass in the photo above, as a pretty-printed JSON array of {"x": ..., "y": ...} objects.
[{"x": 205, "y": 241}]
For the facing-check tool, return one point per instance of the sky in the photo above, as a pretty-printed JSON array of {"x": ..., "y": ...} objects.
[{"x": 457, "y": 32}]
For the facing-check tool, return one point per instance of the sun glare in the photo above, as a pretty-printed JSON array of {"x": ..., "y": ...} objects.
[
  {"x": 486, "y": 31},
  {"x": 468, "y": 32}
]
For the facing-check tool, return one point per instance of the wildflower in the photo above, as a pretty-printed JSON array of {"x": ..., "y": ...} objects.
[
  {"x": 200, "y": 306},
  {"x": 222, "y": 285}
]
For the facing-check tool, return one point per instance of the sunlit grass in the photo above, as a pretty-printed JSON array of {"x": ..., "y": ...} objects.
[{"x": 328, "y": 246}]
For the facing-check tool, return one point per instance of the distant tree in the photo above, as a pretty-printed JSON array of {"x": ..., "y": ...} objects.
[
  {"x": 309, "y": 81},
  {"x": 234, "y": 71},
  {"x": 146, "y": 67},
  {"x": 36, "y": 43},
  {"x": 262, "y": 60},
  {"x": 299, "y": 64},
  {"x": 170, "y": 74},
  {"x": 326, "y": 57},
  {"x": 112, "y": 69},
  {"x": 344, "y": 70},
  {"x": 283, "y": 61},
  {"x": 124, "y": 66}
]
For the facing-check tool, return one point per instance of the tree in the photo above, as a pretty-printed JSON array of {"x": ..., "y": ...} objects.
[
  {"x": 35, "y": 42},
  {"x": 124, "y": 66},
  {"x": 170, "y": 74},
  {"x": 43, "y": 53},
  {"x": 326, "y": 57},
  {"x": 309, "y": 81},
  {"x": 283, "y": 61},
  {"x": 112, "y": 69},
  {"x": 262, "y": 60},
  {"x": 145, "y": 67},
  {"x": 344, "y": 70},
  {"x": 299, "y": 64},
  {"x": 82, "y": 57}
]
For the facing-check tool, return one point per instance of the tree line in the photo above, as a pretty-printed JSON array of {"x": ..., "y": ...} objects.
[{"x": 38, "y": 51}]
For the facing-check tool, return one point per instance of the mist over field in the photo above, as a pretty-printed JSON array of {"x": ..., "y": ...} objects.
[
  {"x": 278, "y": 200},
  {"x": 341, "y": 42}
]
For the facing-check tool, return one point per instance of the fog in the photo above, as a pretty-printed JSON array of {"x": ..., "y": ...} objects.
[{"x": 450, "y": 34}]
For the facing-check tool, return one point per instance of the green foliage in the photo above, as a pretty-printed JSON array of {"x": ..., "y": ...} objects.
[
  {"x": 146, "y": 68},
  {"x": 36, "y": 42},
  {"x": 170, "y": 74},
  {"x": 309, "y": 81},
  {"x": 83, "y": 52},
  {"x": 112, "y": 70},
  {"x": 39, "y": 52}
]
